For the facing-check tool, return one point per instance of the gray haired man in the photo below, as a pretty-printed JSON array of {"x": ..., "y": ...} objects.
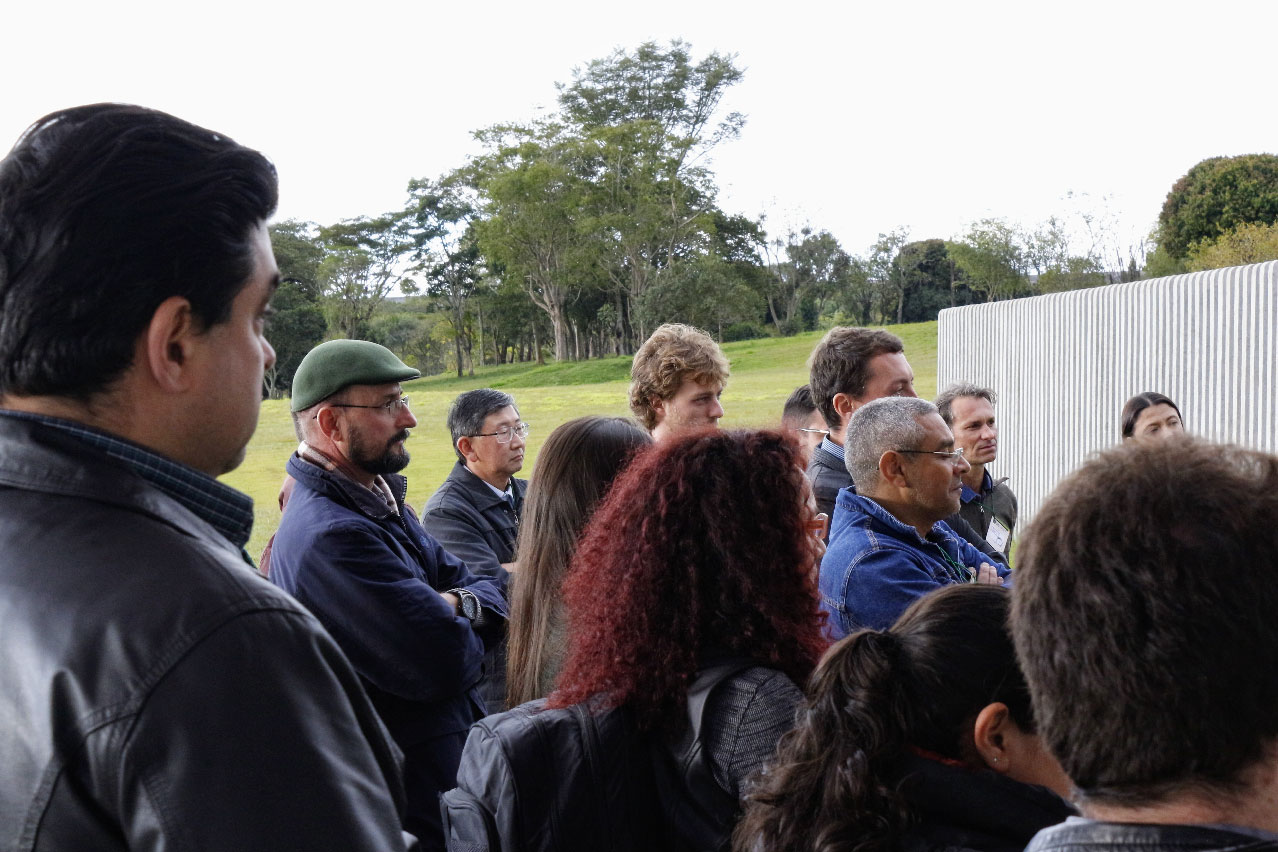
[{"x": 889, "y": 543}]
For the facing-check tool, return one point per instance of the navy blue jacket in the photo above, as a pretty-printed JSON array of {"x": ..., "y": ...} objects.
[
  {"x": 480, "y": 527},
  {"x": 877, "y": 566},
  {"x": 372, "y": 578},
  {"x": 474, "y": 523}
]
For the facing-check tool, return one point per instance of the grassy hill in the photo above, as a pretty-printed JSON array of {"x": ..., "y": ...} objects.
[{"x": 764, "y": 372}]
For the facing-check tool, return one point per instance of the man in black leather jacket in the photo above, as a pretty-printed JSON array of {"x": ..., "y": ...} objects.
[
  {"x": 1143, "y": 618},
  {"x": 156, "y": 692}
]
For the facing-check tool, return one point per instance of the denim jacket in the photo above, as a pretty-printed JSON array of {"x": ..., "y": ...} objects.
[{"x": 877, "y": 566}]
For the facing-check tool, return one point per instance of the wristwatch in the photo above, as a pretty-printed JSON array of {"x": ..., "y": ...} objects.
[{"x": 469, "y": 605}]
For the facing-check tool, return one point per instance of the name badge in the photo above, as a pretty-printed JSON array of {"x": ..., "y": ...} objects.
[{"x": 998, "y": 535}]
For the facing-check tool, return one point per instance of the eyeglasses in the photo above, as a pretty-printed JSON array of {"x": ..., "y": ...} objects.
[
  {"x": 395, "y": 406},
  {"x": 505, "y": 433},
  {"x": 822, "y": 432},
  {"x": 952, "y": 455}
]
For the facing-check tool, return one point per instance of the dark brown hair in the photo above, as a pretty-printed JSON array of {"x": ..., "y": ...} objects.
[
  {"x": 575, "y": 468},
  {"x": 1143, "y": 617},
  {"x": 1134, "y": 406},
  {"x": 841, "y": 364},
  {"x": 876, "y": 696},
  {"x": 106, "y": 211}
]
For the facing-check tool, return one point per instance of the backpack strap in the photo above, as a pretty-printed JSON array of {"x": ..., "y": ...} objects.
[{"x": 700, "y": 811}]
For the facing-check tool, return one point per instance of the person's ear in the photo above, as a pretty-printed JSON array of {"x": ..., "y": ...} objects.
[
  {"x": 329, "y": 421},
  {"x": 168, "y": 343},
  {"x": 892, "y": 469},
  {"x": 990, "y": 735},
  {"x": 466, "y": 446},
  {"x": 844, "y": 404},
  {"x": 658, "y": 406}
]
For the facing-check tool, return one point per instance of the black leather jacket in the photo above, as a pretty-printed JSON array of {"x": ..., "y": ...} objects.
[
  {"x": 156, "y": 693},
  {"x": 1086, "y": 836}
]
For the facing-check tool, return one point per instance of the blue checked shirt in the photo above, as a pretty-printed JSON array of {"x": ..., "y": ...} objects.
[{"x": 222, "y": 507}]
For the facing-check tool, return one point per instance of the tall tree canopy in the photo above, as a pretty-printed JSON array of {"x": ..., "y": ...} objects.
[{"x": 1215, "y": 196}]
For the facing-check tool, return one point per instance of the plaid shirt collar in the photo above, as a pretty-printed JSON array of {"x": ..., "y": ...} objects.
[{"x": 222, "y": 507}]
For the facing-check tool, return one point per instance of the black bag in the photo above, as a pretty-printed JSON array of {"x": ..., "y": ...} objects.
[{"x": 584, "y": 778}]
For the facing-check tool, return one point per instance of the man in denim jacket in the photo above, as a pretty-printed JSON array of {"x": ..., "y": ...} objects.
[{"x": 888, "y": 542}]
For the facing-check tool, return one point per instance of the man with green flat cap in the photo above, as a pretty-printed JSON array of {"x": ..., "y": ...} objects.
[{"x": 410, "y": 616}]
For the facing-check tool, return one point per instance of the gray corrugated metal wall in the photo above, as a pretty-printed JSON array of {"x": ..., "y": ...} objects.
[{"x": 1064, "y": 364}]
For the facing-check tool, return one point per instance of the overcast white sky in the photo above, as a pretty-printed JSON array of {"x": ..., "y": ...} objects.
[{"x": 860, "y": 117}]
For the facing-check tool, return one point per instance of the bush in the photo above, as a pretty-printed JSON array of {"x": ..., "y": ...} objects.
[{"x": 743, "y": 331}]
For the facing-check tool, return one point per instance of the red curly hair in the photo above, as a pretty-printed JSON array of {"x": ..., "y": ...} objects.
[{"x": 699, "y": 550}]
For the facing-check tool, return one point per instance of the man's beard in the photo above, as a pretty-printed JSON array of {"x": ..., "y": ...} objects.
[{"x": 388, "y": 460}]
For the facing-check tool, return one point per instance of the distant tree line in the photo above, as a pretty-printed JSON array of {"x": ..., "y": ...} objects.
[{"x": 576, "y": 234}]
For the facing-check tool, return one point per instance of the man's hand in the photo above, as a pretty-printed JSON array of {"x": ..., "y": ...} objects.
[
  {"x": 452, "y": 600},
  {"x": 988, "y": 575}
]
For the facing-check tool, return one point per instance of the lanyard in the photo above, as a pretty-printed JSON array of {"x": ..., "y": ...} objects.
[{"x": 957, "y": 571}]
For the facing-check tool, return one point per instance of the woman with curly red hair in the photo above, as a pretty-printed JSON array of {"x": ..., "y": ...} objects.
[{"x": 700, "y": 554}]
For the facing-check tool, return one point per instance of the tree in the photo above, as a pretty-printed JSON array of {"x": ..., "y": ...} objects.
[
  {"x": 707, "y": 293},
  {"x": 932, "y": 280},
  {"x": 888, "y": 279},
  {"x": 363, "y": 262},
  {"x": 1215, "y": 196},
  {"x": 415, "y": 337},
  {"x": 1247, "y": 243},
  {"x": 991, "y": 256},
  {"x": 532, "y": 189},
  {"x": 812, "y": 272},
  {"x": 439, "y": 221},
  {"x": 297, "y": 323},
  {"x": 644, "y": 120}
]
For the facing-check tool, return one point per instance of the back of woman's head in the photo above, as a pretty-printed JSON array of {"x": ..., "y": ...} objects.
[
  {"x": 875, "y": 698},
  {"x": 699, "y": 550},
  {"x": 575, "y": 467}
]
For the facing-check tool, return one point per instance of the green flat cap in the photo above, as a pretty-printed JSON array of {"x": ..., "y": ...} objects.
[{"x": 331, "y": 366}]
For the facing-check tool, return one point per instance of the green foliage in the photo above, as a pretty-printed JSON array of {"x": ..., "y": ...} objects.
[
  {"x": 361, "y": 266},
  {"x": 1247, "y": 243},
  {"x": 418, "y": 339},
  {"x": 1215, "y": 196},
  {"x": 933, "y": 281},
  {"x": 297, "y": 323},
  {"x": 743, "y": 331},
  {"x": 706, "y": 293},
  {"x": 992, "y": 258},
  {"x": 1160, "y": 263},
  {"x": 295, "y": 327}
]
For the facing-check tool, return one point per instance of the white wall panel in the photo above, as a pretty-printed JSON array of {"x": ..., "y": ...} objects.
[{"x": 1064, "y": 364}]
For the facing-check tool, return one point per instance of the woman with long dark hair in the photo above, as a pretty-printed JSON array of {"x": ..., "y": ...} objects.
[
  {"x": 920, "y": 737},
  {"x": 1151, "y": 415},
  {"x": 699, "y": 554},
  {"x": 574, "y": 469}
]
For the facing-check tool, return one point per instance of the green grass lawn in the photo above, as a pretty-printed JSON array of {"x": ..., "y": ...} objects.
[{"x": 764, "y": 372}]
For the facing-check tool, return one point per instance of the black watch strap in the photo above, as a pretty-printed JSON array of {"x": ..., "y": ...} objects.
[{"x": 471, "y": 609}]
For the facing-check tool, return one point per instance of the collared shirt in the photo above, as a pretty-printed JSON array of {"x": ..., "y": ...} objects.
[
  {"x": 307, "y": 453},
  {"x": 506, "y": 495},
  {"x": 831, "y": 447},
  {"x": 987, "y": 485},
  {"x": 220, "y": 506}
]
